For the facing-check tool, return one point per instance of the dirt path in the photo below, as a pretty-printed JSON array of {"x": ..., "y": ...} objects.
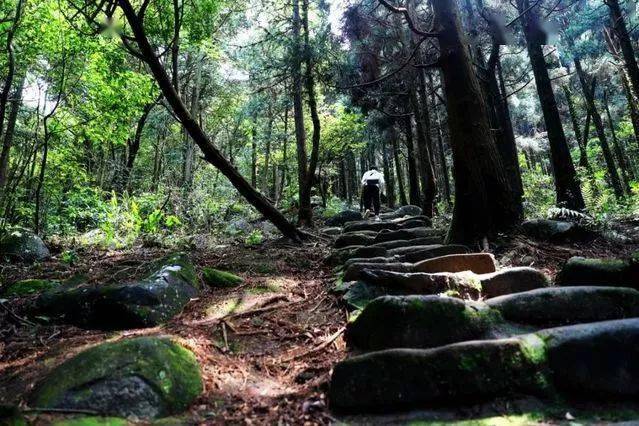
[{"x": 266, "y": 347}]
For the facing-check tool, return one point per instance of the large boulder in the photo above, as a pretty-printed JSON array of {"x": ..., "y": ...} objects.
[
  {"x": 608, "y": 272},
  {"x": 554, "y": 230},
  {"x": 568, "y": 305},
  {"x": 464, "y": 373},
  {"x": 342, "y": 217},
  {"x": 22, "y": 245},
  {"x": 419, "y": 322},
  {"x": 512, "y": 280},
  {"x": 155, "y": 299},
  {"x": 146, "y": 377},
  {"x": 479, "y": 263}
]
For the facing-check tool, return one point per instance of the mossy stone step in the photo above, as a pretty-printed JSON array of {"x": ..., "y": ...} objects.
[
  {"x": 568, "y": 305},
  {"x": 591, "y": 361},
  {"x": 606, "y": 272},
  {"x": 147, "y": 377},
  {"x": 28, "y": 287},
  {"x": 479, "y": 263},
  {"x": 419, "y": 322}
]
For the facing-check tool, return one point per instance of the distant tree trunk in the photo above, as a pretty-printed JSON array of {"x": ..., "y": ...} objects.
[
  {"x": 388, "y": 168},
  {"x": 7, "y": 143},
  {"x": 210, "y": 151},
  {"x": 440, "y": 146},
  {"x": 599, "y": 127},
  {"x": 427, "y": 178},
  {"x": 413, "y": 179},
  {"x": 484, "y": 200},
  {"x": 133, "y": 146},
  {"x": 398, "y": 169},
  {"x": 632, "y": 107},
  {"x": 583, "y": 156},
  {"x": 267, "y": 154},
  {"x": 566, "y": 181},
  {"x": 254, "y": 151},
  {"x": 626, "y": 171},
  {"x": 627, "y": 51}
]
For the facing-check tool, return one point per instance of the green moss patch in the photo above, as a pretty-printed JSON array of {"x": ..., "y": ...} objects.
[
  {"x": 29, "y": 287},
  {"x": 216, "y": 278},
  {"x": 92, "y": 421}
]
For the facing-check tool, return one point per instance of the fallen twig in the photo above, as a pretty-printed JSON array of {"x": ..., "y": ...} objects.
[{"x": 318, "y": 348}]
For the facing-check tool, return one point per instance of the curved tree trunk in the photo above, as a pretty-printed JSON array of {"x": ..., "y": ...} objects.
[{"x": 210, "y": 151}]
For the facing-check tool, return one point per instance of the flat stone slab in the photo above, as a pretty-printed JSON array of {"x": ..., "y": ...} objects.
[
  {"x": 354, "y": 271},
  {"x": 512, "y": 280},
  {"x": 147, "y": 377},
  {"x": 479, "y": 263},
  {"x": 434, "y": 237},
  {"x": 428, "y": 252},
  {"x": 568, "y": 305},
  {"x": 461, "y": 283},
  {"x": 418, "y": 322},
  {"x": 362, "y": 238},
  {"x": 608, "y": 272},
  {"x": 402, "y": 234}
]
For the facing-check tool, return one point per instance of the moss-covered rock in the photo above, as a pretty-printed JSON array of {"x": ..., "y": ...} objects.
[
  {"x": 568, "y": 305},
  {"x": 555, "y": 230},
  {"x": 419, "y": 322},
  {"x": 19, "y": 244},
  {"x": 463, "y": 372},
  {"x": 359, "y": 294},
  {"x": 147, "y": 377},
  {"x": 216, "y": 278},
  {"x": 29, "y": 287},
  {"x": 419, "y": 253},
  {"x": 607, "y": 272},
  {"x": 148, "y": 302},
  {"x": 463, "y": 283}
]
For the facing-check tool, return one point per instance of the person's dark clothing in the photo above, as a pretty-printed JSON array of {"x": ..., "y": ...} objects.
[{"x": 371, "y": 196}]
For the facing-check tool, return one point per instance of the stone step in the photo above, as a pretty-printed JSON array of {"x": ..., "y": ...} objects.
[
  {"x": 419, "y": 322},
  {"x": 568, "y": 305},
  {"x": 402, "y": 234},
  {"x": 392, "y": 225},
  {"x": 479, "y": 263},
  {"x": 362, "y": 238},
  {"x": 428, "y": 321},
  {"x": 408, "y": 210},
  {"x": 594, "y": 360},
  {"x": 434, "y": 236},
  {"x": 405, "y": 254},
  {"x": 606, "y": 272}
]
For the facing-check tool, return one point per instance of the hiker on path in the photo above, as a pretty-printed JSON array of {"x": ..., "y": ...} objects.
[{"x": 372, "y": 188}]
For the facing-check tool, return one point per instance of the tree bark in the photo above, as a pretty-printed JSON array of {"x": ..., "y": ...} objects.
[
  {"x": 627, "y": 51},
  {"x": 626, "y": 171},
  {"x": 601, "y": 133},
  {"x": 413, "y": 179},
  {"x": 210, "y": 151},
  {"x": 427, "y": 178},
  {"x": 566, "y": 181},
  {"x": 398, "y": 169},
  {"x": 484, "y": 200},
  {"x": 7, "y": 142}
]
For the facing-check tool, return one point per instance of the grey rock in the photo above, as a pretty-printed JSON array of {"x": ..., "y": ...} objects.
[
  {"x": 22, "y": 245},
  {"x": 607, "y": 272},
  {"x": 512, "y": 280}
]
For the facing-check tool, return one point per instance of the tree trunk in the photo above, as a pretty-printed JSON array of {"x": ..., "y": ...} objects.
[
  {"x": 427, "y": 178},
  {"x": 566, "y": 181},
  {"x": 210, "y": 151},
  {"x": 440, "y": 147},
  {"x": 601, "y": 133},
  {"x": 134, "y": 147},
  {"x": 632, "y": 107},
  {"x": 627, "y": 51},
  {"x": 388, "y": 168},
  {"x": 484, "y": 201},
  {"x": 7, "y": 142},
  {"x": 398, "y": 169},
  {"x": 626, "y": 171},
  {"x": 413, "y": 179}
]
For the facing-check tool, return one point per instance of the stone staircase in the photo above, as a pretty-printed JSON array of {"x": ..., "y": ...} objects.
[{"x": 435, "y": 325}]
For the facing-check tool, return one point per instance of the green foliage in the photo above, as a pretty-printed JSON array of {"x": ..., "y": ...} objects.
[{"x": 254, "y": 238}]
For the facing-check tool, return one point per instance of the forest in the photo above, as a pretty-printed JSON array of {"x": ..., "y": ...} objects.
[{"x": 319, "y": 212}]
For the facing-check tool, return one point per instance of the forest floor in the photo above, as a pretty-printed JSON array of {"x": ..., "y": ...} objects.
[{"x": 267, "y": 346}]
